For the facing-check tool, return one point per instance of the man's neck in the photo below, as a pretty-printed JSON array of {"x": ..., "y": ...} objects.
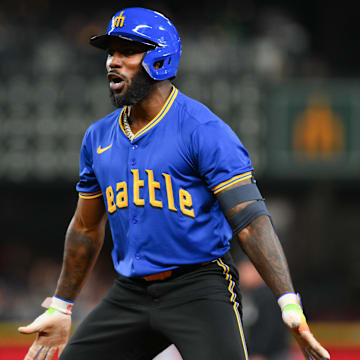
[{"x": 145, "y": 111}]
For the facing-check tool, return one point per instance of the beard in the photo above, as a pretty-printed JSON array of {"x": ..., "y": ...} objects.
[{"x": 138, "y": 90}]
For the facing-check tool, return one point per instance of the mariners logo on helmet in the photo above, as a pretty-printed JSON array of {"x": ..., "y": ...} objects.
[
  {"x": 151, "y": 28},
  {"x": 118, "y": 21}
]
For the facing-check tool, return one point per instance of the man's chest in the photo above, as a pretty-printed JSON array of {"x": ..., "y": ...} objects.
[
  {"x": 157, "y": 172},
  {"x": 116, "y": 158}
]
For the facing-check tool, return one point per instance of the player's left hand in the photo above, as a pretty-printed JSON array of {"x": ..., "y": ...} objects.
[
  {"x": 310, "y": 347},
  {"x": 294, "y": 318}
]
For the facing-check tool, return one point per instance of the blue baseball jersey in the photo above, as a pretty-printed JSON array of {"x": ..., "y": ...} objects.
[{"x": 159, "y": 189}]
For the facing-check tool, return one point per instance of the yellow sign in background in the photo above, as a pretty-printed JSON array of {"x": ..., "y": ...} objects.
[{"x": 313, "y": 131}]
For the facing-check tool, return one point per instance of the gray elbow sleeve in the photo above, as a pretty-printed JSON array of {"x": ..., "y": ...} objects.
[{"x": 249, "y": 192}]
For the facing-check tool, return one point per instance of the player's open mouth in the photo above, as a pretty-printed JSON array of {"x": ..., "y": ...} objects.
[{"x": 116, "y": 81}]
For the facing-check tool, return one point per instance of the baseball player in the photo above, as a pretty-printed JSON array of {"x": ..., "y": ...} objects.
[{"x": 175, "y": 183}]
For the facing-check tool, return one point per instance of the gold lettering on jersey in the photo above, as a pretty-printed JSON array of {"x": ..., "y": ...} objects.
[
  {"x": 122, "y": 195},
  {"x": 169, "y": 192},
  {"x": 121, "y": 200},
  {"x": 137, "y": 185},
  {"x": 185, "y": 201},
  {"x": 110, "y": 200},
  {"x": 152, "y": 186},
  {"x": 118, "y": 21}
]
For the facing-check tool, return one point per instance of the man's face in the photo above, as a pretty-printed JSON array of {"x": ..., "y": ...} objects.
[{"x": 129, "y": 82}]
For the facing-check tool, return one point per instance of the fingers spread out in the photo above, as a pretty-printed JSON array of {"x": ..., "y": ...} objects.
[
  {"x": 46, "y": 352},
  {"x": 310, "y": 346},
  {"x": 52, "y": 331},
  {"x": 50, "y": 353},
  {"x": 314, "y": 346},
  {"x": 306, "y": 354},
  {"x": 33, "y": 352},
  {"x": 40, "y": 352},
  {"x": 309, "y": 356}
]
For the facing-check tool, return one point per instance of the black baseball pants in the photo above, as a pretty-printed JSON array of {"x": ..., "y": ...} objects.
[{"x": 198, "y": 311}]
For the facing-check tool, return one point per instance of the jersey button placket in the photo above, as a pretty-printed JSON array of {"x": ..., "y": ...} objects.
[
  {"x": 132, "y": 153},
  {"x": 133, "y": 219}
]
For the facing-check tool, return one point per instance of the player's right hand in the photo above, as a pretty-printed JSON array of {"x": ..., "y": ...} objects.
[{"x": 53, "y": 331}]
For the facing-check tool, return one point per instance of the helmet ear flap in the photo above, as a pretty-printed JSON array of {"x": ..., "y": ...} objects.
[{"x": 161, "y": 66}]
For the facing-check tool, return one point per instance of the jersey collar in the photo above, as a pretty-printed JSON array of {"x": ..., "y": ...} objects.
[{"x": 156, "y": 119}]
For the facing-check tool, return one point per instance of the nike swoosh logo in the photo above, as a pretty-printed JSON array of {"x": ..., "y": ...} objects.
[{"x": 101, "y": 150}]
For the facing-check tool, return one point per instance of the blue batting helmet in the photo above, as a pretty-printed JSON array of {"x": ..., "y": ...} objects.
[{"x": 151, "y": 28}]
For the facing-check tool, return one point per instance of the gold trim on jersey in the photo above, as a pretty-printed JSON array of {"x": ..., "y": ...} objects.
[
  {"x": 90, "y": 195},
  {"x": 157, "y": 118},
  {"x": 120, "y": 122},
  {"x": 228, "y": 277},
  {"x": 232, "y": 181}
]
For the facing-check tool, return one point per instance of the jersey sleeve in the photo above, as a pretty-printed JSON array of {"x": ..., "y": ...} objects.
[
  {"x": 222, "y": 159},
  {"x": 88, "y": 186}
]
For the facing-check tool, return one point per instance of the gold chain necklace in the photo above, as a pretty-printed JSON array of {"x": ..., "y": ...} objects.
[{"x": 126, "y": 125}]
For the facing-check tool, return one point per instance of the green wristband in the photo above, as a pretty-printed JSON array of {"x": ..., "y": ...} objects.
[
  {"x": 298, "y": 309},
  {"x": 295, "y": 307},
  {"x": 50, "y": 311}
]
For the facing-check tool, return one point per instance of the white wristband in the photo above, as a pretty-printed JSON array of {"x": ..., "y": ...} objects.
[
  {"x": 288, "y": 298},
  {"x": 58, "y": 304},
  {"x": 291, "y": 311}
]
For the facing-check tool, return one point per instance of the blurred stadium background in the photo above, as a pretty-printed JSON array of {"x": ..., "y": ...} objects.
[{"x": 285, "y": 76}]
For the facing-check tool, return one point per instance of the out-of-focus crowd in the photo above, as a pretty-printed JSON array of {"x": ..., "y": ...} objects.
[
  {"x": 27, "y": 278},
  {"x": 42, "y": 38}
]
